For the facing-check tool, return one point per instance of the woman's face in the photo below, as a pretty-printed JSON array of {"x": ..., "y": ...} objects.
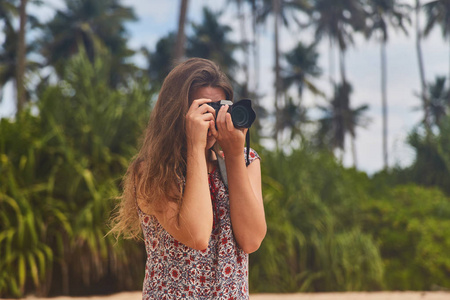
[{"x": 215, "y": 94}]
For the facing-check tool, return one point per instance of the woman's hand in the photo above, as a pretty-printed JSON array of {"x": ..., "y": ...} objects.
[
  {"x": 199, "y": 118},
  {"x": 231, "y": 139}
]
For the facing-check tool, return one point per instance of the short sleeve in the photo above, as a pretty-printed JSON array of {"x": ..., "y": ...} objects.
[{"x": 252, "y": 156}]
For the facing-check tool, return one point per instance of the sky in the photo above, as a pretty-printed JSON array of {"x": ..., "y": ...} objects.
[{"x": 156, "y": 18}]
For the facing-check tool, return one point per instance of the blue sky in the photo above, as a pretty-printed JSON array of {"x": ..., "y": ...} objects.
[{"x": 157, "y": 18}]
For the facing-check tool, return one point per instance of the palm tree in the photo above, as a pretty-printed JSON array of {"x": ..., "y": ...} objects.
[
  {"x": 210, "y": 40},
  {"x": 382, "y": 15},
  {"x": 181, "y": 36},
  {"x": 255, "y": 42},
  {"x": 338, "y": 20},
  {"x": 292, "y": 116},
  {"x": 8, "y": 54},
  {"x": 438, "y": 13},
  {"x": 160, "y": 61},
  {"x": 301, "y": 68},
  {"x": 92, "y": 25},
  {"x": 423, "y": 85},
  {"x": 13, "y": 52},
  {"x": 244, "y": 43},
  {"x": 439, "y": 100},
  {"x": 340, "y": 119},
  {"x": 280, "y": 9},
  {"x": 248, "y": 43},
  {"x": 8, "y": 11},
  {"x": 21, "y": 59}
]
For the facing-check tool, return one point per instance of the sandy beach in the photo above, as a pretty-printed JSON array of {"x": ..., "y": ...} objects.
[{"x": 305, "y": 296}]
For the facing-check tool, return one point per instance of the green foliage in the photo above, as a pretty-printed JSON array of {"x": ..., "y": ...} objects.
[
  {"x": 411, "y": 224},
  {"x": 329, "y": 228},
  {"x": 60, "y": 172},
  {"x": 314, "y": 242},
  {"x": 23, "y": 250},
  {"x": 431, "y": 166}
]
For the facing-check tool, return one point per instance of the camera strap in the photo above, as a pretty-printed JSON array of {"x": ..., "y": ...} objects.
[
  {"x": 247, "y": 142},
  {"x": 222, "y": 168},
  {"x": 221, "y": 160}
]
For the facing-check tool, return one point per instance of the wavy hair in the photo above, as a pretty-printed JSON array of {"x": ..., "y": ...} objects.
[{"x": 160, "y": 165}]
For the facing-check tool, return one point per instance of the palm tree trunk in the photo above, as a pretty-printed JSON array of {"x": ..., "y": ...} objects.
[
  {"x": 342, "y": 66},
  {"x": 353, "y": 143},
  {"x": 244, "y": 42},
  {"x": 331, "y": 62},
  {"x": 179, "y": 45},
  {"x": 21, "y": 57},
  {"x": 345, "y": 106},
  {"x": 255, "y": 49},
  {"x": 422, "y": 70},
  {"x": 384, "y": 103},
  {"x": 276, "y": 4}
]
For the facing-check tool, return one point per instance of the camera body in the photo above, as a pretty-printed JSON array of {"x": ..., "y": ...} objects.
[{"x": 242, "y": 113}]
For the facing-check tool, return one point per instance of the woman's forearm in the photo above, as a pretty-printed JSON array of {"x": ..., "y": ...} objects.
[
  {"x": 246, "y": 205},
  {"x": 193, "y": 225}
]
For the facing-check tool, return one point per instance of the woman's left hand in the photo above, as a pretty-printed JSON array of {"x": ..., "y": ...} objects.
[{"x": 231, "y": 139}]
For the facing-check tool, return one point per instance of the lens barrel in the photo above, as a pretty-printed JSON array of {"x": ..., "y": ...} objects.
[{"x": 243, "y": 114}]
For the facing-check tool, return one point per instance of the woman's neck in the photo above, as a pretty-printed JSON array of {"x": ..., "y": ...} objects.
[{"x": 211, "y": 159}]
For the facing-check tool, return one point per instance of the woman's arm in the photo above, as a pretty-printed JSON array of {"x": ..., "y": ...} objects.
[
  {"x": 246, "y": 203},
  {"x": 244, "y": 185},
  {"x": 192, "y": 226}
]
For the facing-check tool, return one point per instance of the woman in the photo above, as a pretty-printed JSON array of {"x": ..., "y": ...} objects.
[{"x": 198, "y": 232}]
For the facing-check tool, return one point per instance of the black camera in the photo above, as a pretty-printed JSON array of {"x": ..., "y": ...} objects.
[{"x": 242, "y": 113}]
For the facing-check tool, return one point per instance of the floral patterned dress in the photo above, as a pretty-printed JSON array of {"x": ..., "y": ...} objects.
[{"x": 175, "y": 271}]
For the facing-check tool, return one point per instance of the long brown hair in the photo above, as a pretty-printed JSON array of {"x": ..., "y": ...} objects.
[{"x": 160, "y": 165}]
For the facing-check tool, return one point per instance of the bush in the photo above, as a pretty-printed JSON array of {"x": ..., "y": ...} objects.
[
  {"x": 411, "y": 224},
  {"x": 60, "y": 172},
  {"x": 313, "y": 242}
]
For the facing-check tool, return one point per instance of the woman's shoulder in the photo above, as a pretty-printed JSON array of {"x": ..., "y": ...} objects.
[{"x": 252, "y": 155}]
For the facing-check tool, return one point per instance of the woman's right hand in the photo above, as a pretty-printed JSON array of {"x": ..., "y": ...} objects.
[{"x": 199, "y": 119}]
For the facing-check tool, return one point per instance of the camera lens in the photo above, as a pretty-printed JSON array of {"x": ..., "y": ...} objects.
[{"x": 240, "y": 116}]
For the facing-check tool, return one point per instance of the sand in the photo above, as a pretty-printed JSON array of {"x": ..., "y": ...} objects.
[{"x": 305, "y": 296}]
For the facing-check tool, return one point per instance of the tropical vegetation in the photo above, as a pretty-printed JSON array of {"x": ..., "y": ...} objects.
[{"x": 330, "y": 228}]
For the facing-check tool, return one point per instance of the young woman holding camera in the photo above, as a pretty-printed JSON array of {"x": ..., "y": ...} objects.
[{"x": 198, "y": 232}]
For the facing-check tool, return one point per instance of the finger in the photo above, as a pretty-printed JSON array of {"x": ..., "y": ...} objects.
[
  {"x": 208, "y": 117},
  {"x": 207, "y": 109},
  {"x": 198, "y": 102},
  {"x": 221, "y": 117},
  {"x": 229, "y": 122},
  {"x": 212, "y": 129}
]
